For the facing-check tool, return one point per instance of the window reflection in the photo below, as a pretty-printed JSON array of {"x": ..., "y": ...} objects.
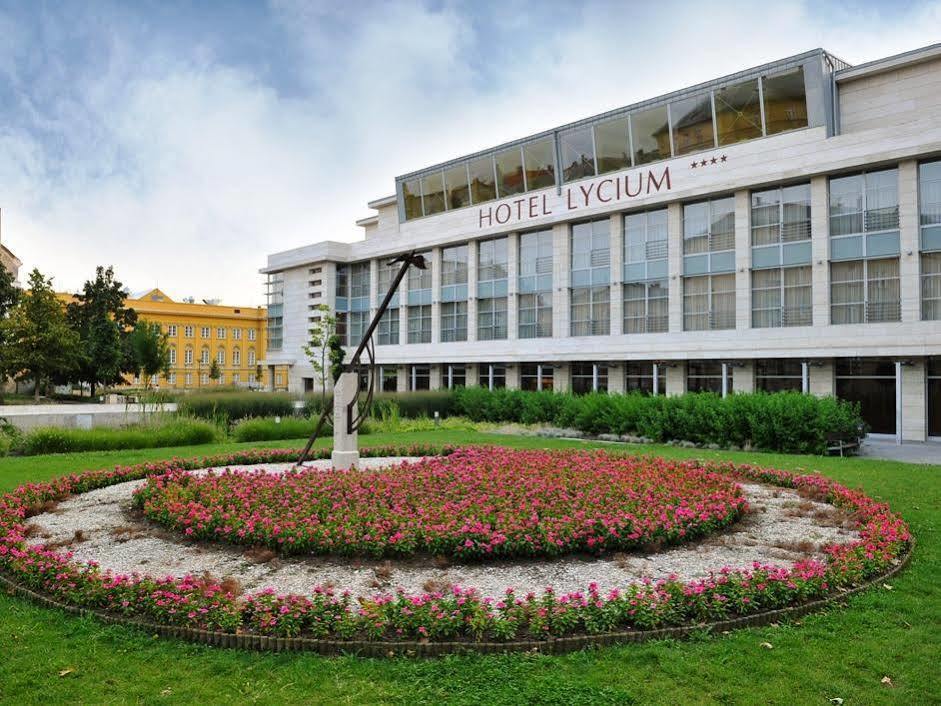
[
  {"x": 785, "y": 102},
  {"x": 612, "y": 146},
  {"x": 539, "y": 158},
  {"x": 692, "y": 124},
  {"x": 650, "y": 133},
  {"x": 432, "y": 189},
  {"x": 482, "y": 186},
  {"x": 456, "y": 189},
  {"x": 738, "y": 112},
  {"x": 509, "y": 172},
  {"x": 411, "y": 195},
  {"x": 578, "y": 154}
]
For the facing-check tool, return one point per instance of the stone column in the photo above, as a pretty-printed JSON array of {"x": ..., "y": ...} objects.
[
  {"x": 345, "y": 443},
  {"x": 617, "y": 274},
  {"x": 909, "y": 242},
  {"x": 616, "y": 377},
  {"x": 822, "y": 382},
  {"x": 471, "y": 373},
  {"x": 512, "y": 285},
  {"x": 914, "y": 422},
  {"x": 675, "y": 272},
  {"x": 435, "y": 377},
  {"x": 401, "y": 378},
  {"x": 512, "y": 376},
  {"x": 676, "y": 377},
  {"x": 743, "y": 378},
  {"x": 562, "y": 378},
  {"x": 561, "y": 260},
  {"x": 742, "y": 261},
  {"x": 472, "y": 290},
  {"x": 820, "y": 251},
  {"x": 435, "y": 297}
]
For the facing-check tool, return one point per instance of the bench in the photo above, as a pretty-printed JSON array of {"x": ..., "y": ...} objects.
[{"x": 844, "y": 443}]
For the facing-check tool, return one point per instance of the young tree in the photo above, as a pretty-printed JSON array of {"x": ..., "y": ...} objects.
[
  {"x": 9, "y": 296},
  {"x": 321, "y": 349},
  {"x": 214, "y": 372},
  {"x": 150, "y": 350},
  {"x": 38, "y": 345},
  {"x": 104, "y": 324}
]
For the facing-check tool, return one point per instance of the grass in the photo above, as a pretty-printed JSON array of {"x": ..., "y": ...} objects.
[{"x": 49, "y": 657}]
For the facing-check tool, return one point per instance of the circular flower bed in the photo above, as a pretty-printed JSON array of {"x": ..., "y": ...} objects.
[
  {"x": 459, "y": 614},
  {"x": 474, "y": 503}
]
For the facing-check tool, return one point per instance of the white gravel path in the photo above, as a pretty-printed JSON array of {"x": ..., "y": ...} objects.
[{"x": 781, "y": 528}]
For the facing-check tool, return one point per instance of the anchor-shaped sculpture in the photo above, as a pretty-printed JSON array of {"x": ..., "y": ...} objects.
[{"x": 346, "y": 412}]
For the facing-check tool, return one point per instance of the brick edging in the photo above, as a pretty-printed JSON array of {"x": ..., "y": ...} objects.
[{"x": 378, "y": 648}]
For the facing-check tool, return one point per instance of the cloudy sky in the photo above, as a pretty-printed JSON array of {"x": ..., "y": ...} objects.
[{"x": 184, "y": 141}]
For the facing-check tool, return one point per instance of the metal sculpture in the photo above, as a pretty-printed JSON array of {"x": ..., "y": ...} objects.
[{"x": 355, "y": 412}]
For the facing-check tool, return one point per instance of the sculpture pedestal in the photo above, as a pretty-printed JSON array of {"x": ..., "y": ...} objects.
[{"x": 345, "y": 444}]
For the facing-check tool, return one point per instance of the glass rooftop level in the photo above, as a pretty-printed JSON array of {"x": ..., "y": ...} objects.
[{"x": 789, "y": 94}]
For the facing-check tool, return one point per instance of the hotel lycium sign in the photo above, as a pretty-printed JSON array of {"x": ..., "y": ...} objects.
[{"x": 586, "y": 195}]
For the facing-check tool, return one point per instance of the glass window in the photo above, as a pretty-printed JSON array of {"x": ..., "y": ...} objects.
[
  {"x": 929, "y": 187},
  {"x": 709, "y": 302},
  {"x": 535, "y": 261},
  {"x": 778, "y": 375},
  {"x": 578, "y": 154},
  {"x": 419, "y": 377},
  {"x": 453, "y": 265},
  {"x": 612, "y": 145},
  {"x": 509, "y": 172},
  {"x": 419, "y": 324},
  {"x": 535, "y": 315},
  {"x": 388, "y": 328},
  {"x": 864, "y": 291},
  {"x": 535, "y": 376},
  {"x": 492, "y": 260},
  {"x": 591, "y": 252},
  {"x": 650, "y": 135},
  {"x": 782, "y": 297},
  {"x": 705, "y": 376},
  {"x": 780, "y": 215},
  {"x": 432, "y": 189},
  {"x": 645, "y": 307},
  {"x": 785, "y": 103},
  {"x": 691, "y": 119},
  {"x": 457, "y": 191},
  {"x": 389, "y": 378},
  {"x": 639, "y": 377},
  {"x": 387, "y": 274},
  {"x": 645, "y": 236},
  {"x": 359, "y": 280},
  {"x": 871, "y": 384},
  {"x": 411, "y": 195},
  {"x": 455, "y": 376},
  {"x": 591, "y": 311},
  {"x": 738, "y": 112},
  {"x": 589, "y": 377},
  {"x": 709, "y": 226},
  {"x": 453, "y": 321},
  {"x": 539, "y": 158},
  {"x": 420, "y": 279},
  {"x": 491, "y": 319},
  {"x": 358, "y": 321},
  {"x": 482, "y": 184},
  {"x": 931, "y": 286},
  {"x": 491, "y": 376},
  {"x": 934, "y": 397}
]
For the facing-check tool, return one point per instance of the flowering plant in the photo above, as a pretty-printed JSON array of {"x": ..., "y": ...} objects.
[
  {"x": 474, "y": 503},
  {"x": 458, "y": 613}
]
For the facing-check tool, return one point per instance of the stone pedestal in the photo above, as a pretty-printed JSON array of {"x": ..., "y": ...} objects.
[{"x": 345, "y": 445}]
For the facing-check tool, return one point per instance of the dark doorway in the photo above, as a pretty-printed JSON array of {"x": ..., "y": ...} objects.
[{"x": 871, "y": 383}]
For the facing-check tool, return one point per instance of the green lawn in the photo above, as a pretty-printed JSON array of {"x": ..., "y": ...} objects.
[{"x": 48, "y": 657}]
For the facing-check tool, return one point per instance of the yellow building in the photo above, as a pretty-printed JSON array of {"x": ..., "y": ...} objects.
[{"x": 200, "y": 333}]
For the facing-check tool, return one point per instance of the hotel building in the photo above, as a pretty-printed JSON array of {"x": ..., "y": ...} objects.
[{"x": 779, "y": 228}]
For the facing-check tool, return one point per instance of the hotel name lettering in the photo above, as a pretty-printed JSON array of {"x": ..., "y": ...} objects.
[{"x": 587, "y": 195}]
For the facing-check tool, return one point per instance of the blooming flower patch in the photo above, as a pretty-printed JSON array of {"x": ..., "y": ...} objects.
[
  {"x": 475, "y": 503},
  {"x": 456, "y": 614}
]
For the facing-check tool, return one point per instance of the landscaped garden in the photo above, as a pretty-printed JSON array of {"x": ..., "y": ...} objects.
[{"x": 879, "y": 623}]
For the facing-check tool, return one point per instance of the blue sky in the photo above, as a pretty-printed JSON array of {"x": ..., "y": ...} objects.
[{"x": 184, "y": 141}]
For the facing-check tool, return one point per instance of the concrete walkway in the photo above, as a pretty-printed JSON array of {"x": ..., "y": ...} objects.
[{"x": 908, "y": 451}]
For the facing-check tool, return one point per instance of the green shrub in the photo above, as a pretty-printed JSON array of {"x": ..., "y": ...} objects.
[
  {"x": 424, "y": 403},
  {"x": 232, "y": 406},
  {"x": 174, "y": 432},
  {"x": 267, "y": 429}
]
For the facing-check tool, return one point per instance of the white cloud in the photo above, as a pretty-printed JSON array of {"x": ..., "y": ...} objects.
[{"x": 186, "y": 171}]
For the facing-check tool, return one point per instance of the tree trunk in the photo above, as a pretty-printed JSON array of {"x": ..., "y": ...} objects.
[
  {"x": 92, "y": 389},
  {"x": 36, "y": 390}
]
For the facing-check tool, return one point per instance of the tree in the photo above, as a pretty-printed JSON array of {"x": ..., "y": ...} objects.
[
  {"x": 151, "y": 352},
  {"x": 214, "y": 372},
  {"x": 321, "y": 349},
  {"x": 9, "y": 296},
  {"x": 104, "y": 325},
  {"x": 39, "y": 345}
]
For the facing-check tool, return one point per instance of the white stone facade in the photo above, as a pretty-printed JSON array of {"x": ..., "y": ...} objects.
[{"x": 884, "y": 115}]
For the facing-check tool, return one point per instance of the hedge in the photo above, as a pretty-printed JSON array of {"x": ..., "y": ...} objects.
[
  {"x": 232, "y": 406},
  {"x": 174, "y": 432},
  {"x": 267, "y": 429},
  {"x": 789, "y": 422}
]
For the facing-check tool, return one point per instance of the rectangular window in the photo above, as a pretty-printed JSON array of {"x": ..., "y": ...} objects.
[
  {"x": 705, "y": 376},
  {"x": 220, "y": 332},
  {"x": 535, "y": 315},
  {"x": 188, "y": 357},
  {"x": 781, "y": 297},
  {"x": 204, "y": 332},
  {"x": 535, "y": 376},
  {"x": 780, "y": 215},
  {"x": 590, "y": 277},
  {"x": 785, "y": 101},
  {"x": 454, "y": 376},
  {"x": 645, "y": 236},
  {"x": 419, "y": 377},
  {"x": 453, "y": 322},
  {"x": 188, "y": 331},
  {"x": 650, "y": 135},
  {"x": 612, "y": 145},
  {"x": 387, "y": 274},
  {"x": 778, "y": 375},
  {"x": 251, "y": 334},
  {"x": 388, "y": 329},
  {"x": 589, "y": 377},
  {"x": 356, "y": 327},
  {"x": 419, "y": 324},
  {"x": 274, "y": 296},
  {"x": 492, "y": 289},
  {"x": 171, "y": 330},
  {"x": 639, "y": 377},
  {"x": 411, "y": 198},
  {"x": 709, "y": 226},
  {"x": 931, "y": 286},
  {"x": 420, "y": 279},
  {"x": 539, "y": 160},
  {"x": 509, "y": 165},
  {"x": 342, "y": 290},
  {"x": 483, "y": 185},
  {"x": 432, "y": 193},
  {"x": 864, "y": 291},
  {"x": 934, "y": 397},
  {"x": 491, "y": 319},
  {"x": 578, "y": 154},
  {"x": 864, "y": 203},
  {"x": 645, "y": 267},
  {"x": 691, "y": 120},
  {"x": 869, "y": 382},
  {"x": 535, "y": 285},
  {"x": 359, "y": 280},
  {"x": 188, "y": 379},
  {"x": 491, "y": 376},
  {"x": 709, "y": 302},
  {"x": 456, "y": 189},
  {"x": 738, "y": 112},
  {"x": 389, "y": 378},
  {"x": 645, "y": 307}
]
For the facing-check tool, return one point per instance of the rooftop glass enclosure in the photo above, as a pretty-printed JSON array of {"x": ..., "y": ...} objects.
[{"x": 786, "y": 95}]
